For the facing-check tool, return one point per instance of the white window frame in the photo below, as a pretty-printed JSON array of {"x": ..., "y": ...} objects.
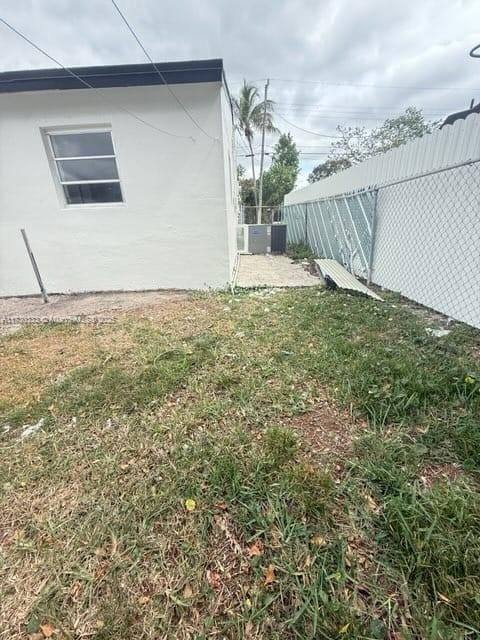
[{"x": 50, "y": 133}]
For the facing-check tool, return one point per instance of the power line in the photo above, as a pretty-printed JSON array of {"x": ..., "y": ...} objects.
[
  {"x": 343, "y": 117},
  {"x": 342, "y": 107},
  {"x": 89, "y": 86},
  {"x": 374, "y": 86},
  {"x": 354, "y": 84},
  {"x": 130, "y": 28},
  {"x": 331, "y": 111},
  {"x": 314, "y": 133}
]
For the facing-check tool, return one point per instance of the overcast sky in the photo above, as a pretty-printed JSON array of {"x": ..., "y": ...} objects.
[{"x": 331, "y": 61}]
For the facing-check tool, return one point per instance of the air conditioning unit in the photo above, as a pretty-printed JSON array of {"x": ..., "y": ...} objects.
[{"x": 262, "y": 238}]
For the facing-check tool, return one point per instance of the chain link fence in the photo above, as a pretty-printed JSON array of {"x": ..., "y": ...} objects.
[
  {"x": 418, "y": 236},
  {"x": 338, "y": 228}
]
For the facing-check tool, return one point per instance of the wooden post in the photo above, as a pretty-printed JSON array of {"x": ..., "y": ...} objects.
[{"x": 34, "y": 265}]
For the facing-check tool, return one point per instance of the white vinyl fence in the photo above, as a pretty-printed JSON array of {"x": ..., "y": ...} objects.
[{"x": 416, "y": 235}]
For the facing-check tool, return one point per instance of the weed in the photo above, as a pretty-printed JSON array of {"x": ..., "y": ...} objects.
[{"x": 299, "y": 251}]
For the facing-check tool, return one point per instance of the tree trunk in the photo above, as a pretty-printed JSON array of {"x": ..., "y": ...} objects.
[{"x": 252, "y": 158}]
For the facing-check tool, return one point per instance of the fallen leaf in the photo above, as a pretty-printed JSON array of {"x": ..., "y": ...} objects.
[
  {"x": 318, "y": 541},
  {"x": 221, "y": 505},
  {"x": 372, "y": 505},
  {"x": 256, "y": 549},
  {"x": 143, "y": 599},
  {"x": 344, "y": 629},
  {"x": 214, "y": 579},
  {"x": 47, "y": 629},
  {"x": 269, "y": 575},
  {"x": 190, "y": 504},
  {"x": 187, "y": 591}
]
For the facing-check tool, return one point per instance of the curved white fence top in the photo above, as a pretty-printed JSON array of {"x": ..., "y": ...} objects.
[{"x": 454, "y": 144}]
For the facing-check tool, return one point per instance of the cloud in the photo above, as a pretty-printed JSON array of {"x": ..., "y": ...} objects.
[{"x": 403, "y": 43}]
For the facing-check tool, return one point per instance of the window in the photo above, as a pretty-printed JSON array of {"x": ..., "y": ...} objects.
[{"x": 86, "y": 167}]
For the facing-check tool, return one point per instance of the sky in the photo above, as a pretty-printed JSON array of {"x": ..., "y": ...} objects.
[{"x": 330, "y": 62}]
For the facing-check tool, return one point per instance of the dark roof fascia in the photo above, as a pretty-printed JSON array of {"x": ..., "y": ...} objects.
[{"x": 128, "y": 75}]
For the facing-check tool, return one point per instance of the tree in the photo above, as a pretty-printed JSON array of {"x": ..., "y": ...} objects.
[
  {"x": 285, "y": 153},
  {"x": 247, "y": 190},
  {"x": 277, "y": 182},
  {"x": 328, "y": 168},
  {"x": 281, "y": 177},
  {"x": 356, "y": 144},
  {"x": 248, "y": 109}
]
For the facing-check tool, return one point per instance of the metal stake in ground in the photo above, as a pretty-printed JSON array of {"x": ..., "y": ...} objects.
[{"x": 34, "y": 265}]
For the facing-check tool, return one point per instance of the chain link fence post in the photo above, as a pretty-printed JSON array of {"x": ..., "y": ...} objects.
[
  {"x": 372, "y": 238},
  {"x": 306, "y": 223}
]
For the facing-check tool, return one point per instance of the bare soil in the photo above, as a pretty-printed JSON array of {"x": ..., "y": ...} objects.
[{"x": 84, "y": 304}]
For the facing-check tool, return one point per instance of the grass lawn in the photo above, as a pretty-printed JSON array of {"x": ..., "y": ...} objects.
[{"x": 300, "y": 464}]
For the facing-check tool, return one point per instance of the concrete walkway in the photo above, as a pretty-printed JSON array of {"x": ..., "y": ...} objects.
[{"x": 272, "y": 271}]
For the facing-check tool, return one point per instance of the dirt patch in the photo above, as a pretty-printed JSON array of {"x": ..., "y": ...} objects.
[
  {"x": 85, "y": 304},
  {"x": 434, "y": 474},
  {"x": 326, "y": 433}
]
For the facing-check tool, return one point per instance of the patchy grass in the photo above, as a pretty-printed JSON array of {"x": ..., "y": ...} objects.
[
  {"x": 327, "y": 446},
  {"x": 299, "y": 251}
]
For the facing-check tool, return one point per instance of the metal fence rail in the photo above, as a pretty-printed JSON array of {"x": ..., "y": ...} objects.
[{"x": 418, "y": 236}]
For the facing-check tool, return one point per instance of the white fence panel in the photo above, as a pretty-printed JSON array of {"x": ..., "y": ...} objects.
[{"x": 454, "y": 144}]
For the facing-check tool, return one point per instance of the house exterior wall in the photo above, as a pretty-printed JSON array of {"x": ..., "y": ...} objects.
[
  {"x": 172, "y": 231},
  {"x": 230, "y": 173}
]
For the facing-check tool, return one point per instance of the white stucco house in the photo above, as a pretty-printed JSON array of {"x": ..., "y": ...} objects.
[{"x": 129, "y": 185}]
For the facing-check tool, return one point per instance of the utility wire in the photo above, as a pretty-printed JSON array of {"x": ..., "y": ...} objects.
[
  {"x": 89, "y": 86},
  {"x": 342, "y": 117},
  {"x": 353, "y": 84},
  {"x": 162, "y": 77},
  {"x": 372, "y": 108},
  {"x": 374, "y": 86},
  {"x": 314, "y": 133}
]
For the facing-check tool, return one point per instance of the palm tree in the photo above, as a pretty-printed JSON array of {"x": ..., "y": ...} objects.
[{"x": 249, "y": 114}]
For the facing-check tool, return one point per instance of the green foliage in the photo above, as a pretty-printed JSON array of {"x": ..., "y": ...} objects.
[
  {"x": 247, "y": 191},
  {"x": 299, "y": 251},
  {"x": 356, "y": 144},
  {"x": 249, "y": 111},
  {"x": 250, "y": 115},
  {"x": 328, "y": 168},
  {"x": 434, "y": 537},
  {"x": 281, "y": 177},
  {"x": 285, "y": 153},
  {"x": 277, "y": 182},
  {"x": 281, "y": 446}
]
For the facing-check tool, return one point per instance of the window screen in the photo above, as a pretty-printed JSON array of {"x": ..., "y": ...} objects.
[{"x": 86, "y": 167}]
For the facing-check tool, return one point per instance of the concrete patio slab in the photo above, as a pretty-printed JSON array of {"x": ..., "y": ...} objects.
[{"x": 272, "y": 271}]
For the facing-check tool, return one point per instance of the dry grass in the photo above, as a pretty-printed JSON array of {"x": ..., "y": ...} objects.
[
  {"x": 303, "y": 450},
  {"x": 33, "y": 361}
]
